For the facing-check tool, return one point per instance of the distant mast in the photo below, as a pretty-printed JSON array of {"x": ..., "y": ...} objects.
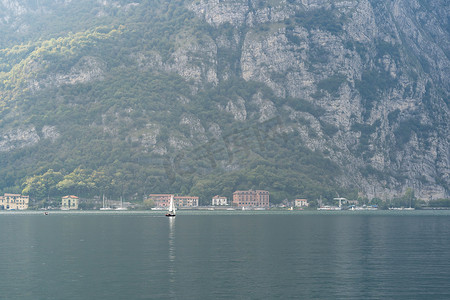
[{"x": 105, "y": 204}]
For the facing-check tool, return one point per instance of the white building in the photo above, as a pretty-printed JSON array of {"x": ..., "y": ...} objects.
[
  {"x": 219, "y": 201},
  {"x": 69, "y": 202},
  {"x": 301, "y": 203},
  {"x": 14, "y": 202}
]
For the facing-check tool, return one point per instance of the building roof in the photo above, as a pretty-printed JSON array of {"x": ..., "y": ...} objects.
[
  {"x": 15, "y": 195},
  {"x": 254, "y": 191},
  {"x": 70, "y": 196}
]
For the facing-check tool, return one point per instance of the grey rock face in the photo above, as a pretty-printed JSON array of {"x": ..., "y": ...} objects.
[
  {"x": 87, "y": 69},
  {"x": 237, "y": 109},
  {"x": 194, "y": 59},
  {"x": 194, "y": 125},
  {"x": 217, "y": 12},
  {"x": 50, "y": 132},
  {"x": 18, "y": 138},
  {"x": 406, "y": 41}
]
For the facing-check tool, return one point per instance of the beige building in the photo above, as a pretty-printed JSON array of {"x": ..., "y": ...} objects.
[
  {"x": 162, "y": 200},
  {"x": 301, "y": 203},
  {"x": 219, "y": 201},
  {"x": 69, "y": 202},
  {"x": 14, "y": 202},
  {"x": 186, "y": 201},
  {"x": 258, "y": 198}
]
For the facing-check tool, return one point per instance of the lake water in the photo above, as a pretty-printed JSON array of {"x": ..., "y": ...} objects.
[{"x": 228, "y": 255}]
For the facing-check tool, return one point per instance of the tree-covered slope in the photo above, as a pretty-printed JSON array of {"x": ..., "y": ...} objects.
[{"x": 206, "y": 97}]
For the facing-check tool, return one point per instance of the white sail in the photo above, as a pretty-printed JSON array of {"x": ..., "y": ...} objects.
[{"x": 171, "y": 206}]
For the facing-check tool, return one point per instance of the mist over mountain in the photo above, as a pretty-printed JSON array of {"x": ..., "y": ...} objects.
[{"x": 304, "y": 98}]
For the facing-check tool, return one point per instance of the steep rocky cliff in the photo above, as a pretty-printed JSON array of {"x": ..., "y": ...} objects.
[
  {"x": 363, "y": 83},
  {"x": 379, "y": 69}
]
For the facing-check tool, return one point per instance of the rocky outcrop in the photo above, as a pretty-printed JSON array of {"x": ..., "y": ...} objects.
[
  {"x": 18, "y": 138},
  {"x": 25, "y": 137},
  {"x": 87, "y": 69},
  {"x": 237, "y": 109},
  {"x": 12, "y": 8},
  {"x": 194, "y": 59},
  {"x": 267, "y": 109},
  {"x": 216, "y": 12},
  {"x": 196, "y": 129},
  {"x": 50, "y": 132}
]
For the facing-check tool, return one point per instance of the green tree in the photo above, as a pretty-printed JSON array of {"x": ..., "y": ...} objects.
[
  {"x": 51, "y": 179},
  {"x": 41, "y": 186},
  {"x": 79, "y": 182},
  {"x": 148, "y": 203},
  {"x": 34, "y": 187}
]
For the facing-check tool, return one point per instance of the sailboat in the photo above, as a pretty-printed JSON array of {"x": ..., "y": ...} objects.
[
  {"x": 121, "y": 205},
  {"x": 171, "y": 212},
  {"x": 105, "y": 204}
]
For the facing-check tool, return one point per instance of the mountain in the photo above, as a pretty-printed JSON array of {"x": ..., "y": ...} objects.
[{"x": 203, "y": 97}]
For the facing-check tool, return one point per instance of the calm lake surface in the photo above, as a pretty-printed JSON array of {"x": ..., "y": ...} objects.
[{"x": 225, "y": 255}]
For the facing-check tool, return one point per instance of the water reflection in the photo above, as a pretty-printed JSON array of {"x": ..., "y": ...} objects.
[
  {"x": 171, "y": 239},
  {"x": 171, "y": 266}
]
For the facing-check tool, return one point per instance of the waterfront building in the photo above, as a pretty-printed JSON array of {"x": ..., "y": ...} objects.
[
  {"x": 69, "y": 202},
  {"x": 163, "y": 200},
  {"x": 219, "y": 201},
  {"x": 14, "y": 202},
  {"x": 160, "y": 200},
  {"x": 250, "y": 198},
  {"x": 186, "y": 201},
  {"x": 301, "y": 203}
]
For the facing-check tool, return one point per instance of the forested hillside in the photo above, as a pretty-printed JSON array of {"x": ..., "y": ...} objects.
[{"x": 206, "y": 97}]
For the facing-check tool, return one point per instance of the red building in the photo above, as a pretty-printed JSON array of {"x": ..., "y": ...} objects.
[
  {"x": 258, "y": 198},
  {"x": 160, "y": 200}
]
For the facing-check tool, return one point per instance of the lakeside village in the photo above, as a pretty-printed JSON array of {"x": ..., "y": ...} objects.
[{"x": 242, "y": 200}]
